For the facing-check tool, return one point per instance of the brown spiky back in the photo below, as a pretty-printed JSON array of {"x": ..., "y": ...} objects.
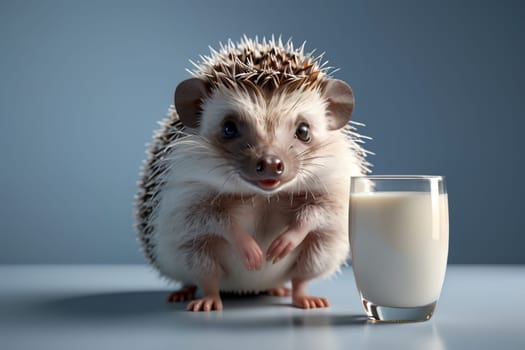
[
  {"x": 152, "y": 180},
  {"x": 267, "y": 64}
]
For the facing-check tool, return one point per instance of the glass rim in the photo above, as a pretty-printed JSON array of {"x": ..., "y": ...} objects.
[{"x": 398, "y": 177}]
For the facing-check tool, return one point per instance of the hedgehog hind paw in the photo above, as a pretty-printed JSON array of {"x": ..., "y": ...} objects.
[
  {"x": 279, "y": 292},
  {"x": 186, "y": 293}
]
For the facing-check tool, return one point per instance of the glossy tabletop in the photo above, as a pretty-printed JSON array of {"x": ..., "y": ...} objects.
[{"x": 123, "y": 307}]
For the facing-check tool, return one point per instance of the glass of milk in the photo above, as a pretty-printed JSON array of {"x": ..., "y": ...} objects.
[{"x": 399, "y": 244}]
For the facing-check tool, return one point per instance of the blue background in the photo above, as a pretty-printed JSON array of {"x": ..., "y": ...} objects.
[{"x": 439, "y": 84}]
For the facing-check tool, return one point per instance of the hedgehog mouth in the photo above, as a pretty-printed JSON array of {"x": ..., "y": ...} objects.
[{"x": 268, "y": 184}]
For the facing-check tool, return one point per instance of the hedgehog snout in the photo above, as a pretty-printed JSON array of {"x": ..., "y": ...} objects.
[
  {"x": 269, "y": 166},
  {"x": 267, "y": 170}
]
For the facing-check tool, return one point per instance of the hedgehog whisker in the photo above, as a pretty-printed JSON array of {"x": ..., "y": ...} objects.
[
  {"x": 221, "y": 191},
  {"x": 308, "y": 159},
  {"x": 318, "y": 165},
  {"x": 219, "y": 166},
  {"x": 314, "y": 149},
  {"x": 229, "y": 176},
  {"x": 313, "y": 179}
]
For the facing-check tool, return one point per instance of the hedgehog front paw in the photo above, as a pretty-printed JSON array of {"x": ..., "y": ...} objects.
[
  {"x": 251, "y": 253},
  {"x": 283, "y": 245}
]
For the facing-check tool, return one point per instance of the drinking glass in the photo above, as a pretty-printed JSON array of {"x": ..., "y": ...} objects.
[{"x": 399, "y": 244}]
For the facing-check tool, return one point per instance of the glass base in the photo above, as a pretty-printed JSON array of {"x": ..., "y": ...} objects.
[{"x": 378, "y": 313}]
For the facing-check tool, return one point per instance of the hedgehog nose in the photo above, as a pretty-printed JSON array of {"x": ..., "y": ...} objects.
[{"x": 269, "y": 166}]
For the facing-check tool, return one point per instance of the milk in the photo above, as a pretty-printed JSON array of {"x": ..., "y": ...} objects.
[{"x": 399, "y": 244}]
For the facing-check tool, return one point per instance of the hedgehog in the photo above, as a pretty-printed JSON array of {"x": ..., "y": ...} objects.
[{"x": 246, "y": 185}]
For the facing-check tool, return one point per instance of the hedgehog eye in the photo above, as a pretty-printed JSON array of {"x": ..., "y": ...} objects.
[
  {"x": 303, "y": 132},
  {"x": 229, "y": 130}
]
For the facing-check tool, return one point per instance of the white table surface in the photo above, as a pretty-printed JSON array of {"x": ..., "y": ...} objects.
[{"x": 123, "y": 307}]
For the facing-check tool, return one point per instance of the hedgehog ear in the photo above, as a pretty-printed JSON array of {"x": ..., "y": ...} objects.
[
  {"x": 340, "y": 103},
  {"x": 188, "y": 97}
]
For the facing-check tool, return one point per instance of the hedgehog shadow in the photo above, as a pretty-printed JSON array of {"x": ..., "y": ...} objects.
[
  {"x": 153, "y": 305},
  {"x": 111, "y": 305},
  {"x": 130, "y": 303}
]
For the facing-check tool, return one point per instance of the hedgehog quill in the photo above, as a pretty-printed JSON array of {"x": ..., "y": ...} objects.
[{"x": 245, "y": 188}]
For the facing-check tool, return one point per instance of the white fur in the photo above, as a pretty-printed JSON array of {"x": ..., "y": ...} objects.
[{"x": 196, "y": 170}]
